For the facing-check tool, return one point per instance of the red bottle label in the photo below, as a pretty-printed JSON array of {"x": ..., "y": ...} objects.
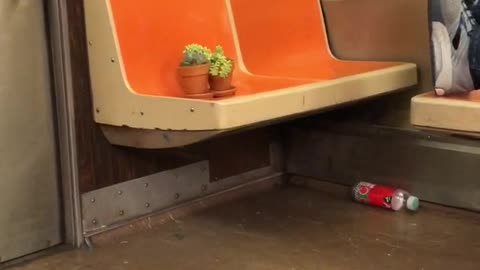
[{"x": 372, "y": 194}]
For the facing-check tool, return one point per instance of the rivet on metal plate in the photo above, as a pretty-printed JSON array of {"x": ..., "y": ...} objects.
[
  {"x": 192, "y": 109},
  {"x": 112, "y": 60},
  {"x": 92, "y": 200},
  {"x": 94, "y": 221},
  {"x": 119, "y": 192},
  {"x": 177, "y": 196},
  {"x": 147, "y": 205},
  {"x": 121, "y": 212}
]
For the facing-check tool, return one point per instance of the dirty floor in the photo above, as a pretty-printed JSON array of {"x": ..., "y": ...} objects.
[{"x": 292, "y": 228}]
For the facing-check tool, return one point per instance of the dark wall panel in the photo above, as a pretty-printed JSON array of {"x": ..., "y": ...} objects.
[
  {"x": 436, "y": 167},
  {"x": 374, "y": 30},
  {"x": 101, "y": 164}
]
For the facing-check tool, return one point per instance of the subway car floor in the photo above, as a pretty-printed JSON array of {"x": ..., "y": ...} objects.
[{"x": 290, "y": 228}]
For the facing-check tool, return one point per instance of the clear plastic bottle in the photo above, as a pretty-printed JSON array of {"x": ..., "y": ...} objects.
[{"x": 385, "y": 197}]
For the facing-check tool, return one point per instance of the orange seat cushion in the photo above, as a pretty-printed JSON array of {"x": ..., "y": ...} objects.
[{"x": 473, "y": 96}]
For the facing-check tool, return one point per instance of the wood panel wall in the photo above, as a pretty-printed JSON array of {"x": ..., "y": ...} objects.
[{"x": 102, "y": 164}]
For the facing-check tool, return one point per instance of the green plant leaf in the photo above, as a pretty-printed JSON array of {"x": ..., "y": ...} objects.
[
  {"x": 220, "y": 64},
  {"x": 195, "y": 54}
]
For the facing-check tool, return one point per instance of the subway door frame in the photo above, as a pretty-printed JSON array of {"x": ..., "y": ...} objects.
[{"x": 61, "y": 72}]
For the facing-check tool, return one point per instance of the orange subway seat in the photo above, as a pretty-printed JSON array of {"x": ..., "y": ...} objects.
[
  {"x": 152, "y": 35},
  {"x": 288, "y": 38}
]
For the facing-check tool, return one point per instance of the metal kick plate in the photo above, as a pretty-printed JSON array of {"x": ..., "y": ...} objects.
[
  {"x": 144, "y": 195},
  {"x": 114, "y": 204}
]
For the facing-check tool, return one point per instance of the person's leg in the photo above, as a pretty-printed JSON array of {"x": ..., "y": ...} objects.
[
  {"x": 458, "y": 24},
  {"x": 474, "y": 48},
  {"x": 474, "y": 7},
  {"x": 462, "y": 77}
]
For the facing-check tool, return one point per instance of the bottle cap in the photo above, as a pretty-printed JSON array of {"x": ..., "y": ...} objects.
[{"x": 413, "y": 203}]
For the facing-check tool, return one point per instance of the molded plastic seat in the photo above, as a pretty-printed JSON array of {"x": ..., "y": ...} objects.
[
  {"x": 290, "y": 41},
  {"x": 135, "y": 48},
  {"x": 455, "y": 114}
]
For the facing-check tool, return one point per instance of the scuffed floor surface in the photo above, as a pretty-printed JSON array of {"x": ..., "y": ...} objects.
[{"x": 292, "y": 228}]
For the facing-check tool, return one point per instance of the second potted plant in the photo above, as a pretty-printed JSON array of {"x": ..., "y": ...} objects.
[{"x": 221, "y": 71}]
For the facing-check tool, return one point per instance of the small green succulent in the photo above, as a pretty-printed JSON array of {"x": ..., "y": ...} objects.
[
  {"x": 195, "y": 54},
  {"x": 220, "y": 65}
]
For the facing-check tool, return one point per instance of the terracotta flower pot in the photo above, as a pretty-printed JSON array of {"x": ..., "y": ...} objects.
[
  {"x": 218, "y": 83},
  {"x": 194, "y": 80},
  {"x": 222, "y": 87}
]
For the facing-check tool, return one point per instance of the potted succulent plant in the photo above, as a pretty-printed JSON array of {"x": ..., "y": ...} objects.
[
  {"x": 194, "y": 71},
  {"x": 221, "y": 70}
]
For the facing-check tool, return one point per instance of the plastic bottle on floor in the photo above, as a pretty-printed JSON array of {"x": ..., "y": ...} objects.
[{"x": 385, "y": 197}]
